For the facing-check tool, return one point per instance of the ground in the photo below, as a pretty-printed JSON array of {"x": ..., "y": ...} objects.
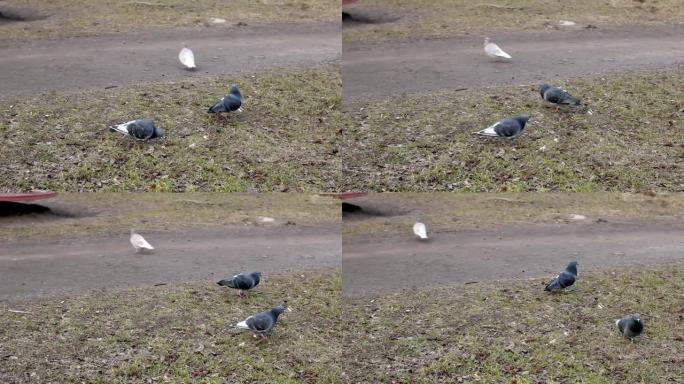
[
  {"x": 82, "y": 245},
  {"x": 468, "y": 305},
  {"x": 285, "y": 140},
  {"x": 484, "y": 237},
  {"x": 78, "y": 304},
  {"x": 380, "y": 20},
  {"x": 178, "y": 333},
  {"x": 113, "y": 68},
  {"x": 510, "y": 331},
  {"x": 629, "y": 136},
  {"x": 68, "y": 18}
]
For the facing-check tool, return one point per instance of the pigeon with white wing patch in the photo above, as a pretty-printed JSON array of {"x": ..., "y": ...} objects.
[
  {"x": 494, "y": 51},
  {"x": 563, "y": 279},
  {"x": 630, "y": 326},
  {"x": 509, "y": 127},
  {"x": 228, "y": 103},
  {"x": 187, "y": 58},
  {"x": 262, "y": 323},
  {"x": 420, "y": 230},
  {"x": 141, "y": 129},
  {"x": 242, "y": 282},
  {"x": 139, "y": 243}
]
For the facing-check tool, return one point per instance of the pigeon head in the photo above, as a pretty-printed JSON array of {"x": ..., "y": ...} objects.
[
  {"x": 572, "y": 268},
  {"x": 234, "y": 90},
  {"x": 543, "y": 88},
  {"x": 280, "y": 309},
  {"x": 159, "y": 132},
  {"x": 486, "y": 41}
]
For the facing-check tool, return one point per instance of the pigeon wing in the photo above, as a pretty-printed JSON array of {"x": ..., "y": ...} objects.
[
  {"x": 232, "y": 102},
  {"x": 559, "y": 96},
  {"x": 493, "y": 50},
  {"x": 142, "y": 129},
  {"x": 420, "y": 230},
  {"x": 489, "y": 131},
  {"x": 262, "y": 322},
  {"x": 139, "y": 242},
  {"x": 507, "y": 128},
  {"x": 218, "y": 107},
  {"x": 187, "y": 58},
  {"x": 121, "y": 128}
]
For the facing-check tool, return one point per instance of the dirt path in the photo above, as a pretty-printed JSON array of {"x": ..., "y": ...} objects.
[
  {"x": 379, "y": 70},
  {"x": 35, "y": 267},
  {"x": 28, "y": 67},
  {"x": 376, "y": 265}
]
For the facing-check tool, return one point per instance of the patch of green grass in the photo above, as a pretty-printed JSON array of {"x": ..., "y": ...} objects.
[
  {"x": 444, "y": 18},
  {"x": 285, "y": 140},
  {"x": 72, "y": 17},
  {"x": 392, "y": 213},
  {"x": 177, "y": 334},
  {"x": 511, "y": 331},
  {"x": 632, "y": 141},
  {"x": 91, "y": 214}
]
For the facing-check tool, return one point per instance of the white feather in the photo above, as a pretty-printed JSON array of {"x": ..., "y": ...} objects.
[
  {"x": 243, "y": 324},
  {"x": 123, "y": 128},
  {"x": 489, "y": 131},
  {"x": 420, "y": 230},
  {"x": 139, "y": 243},
  {"x": 493, "y": 50},
  {"x": 187, "y": 58}
]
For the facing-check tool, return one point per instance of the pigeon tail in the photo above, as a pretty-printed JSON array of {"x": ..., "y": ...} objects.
[{"x": 242, "y": 325}]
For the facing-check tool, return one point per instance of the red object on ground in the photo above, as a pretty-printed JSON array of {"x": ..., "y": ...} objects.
[
  {"x": 345, "y": 195},
  {"x": 345, "y": 2},
  {"x": 30, "y": 196}
]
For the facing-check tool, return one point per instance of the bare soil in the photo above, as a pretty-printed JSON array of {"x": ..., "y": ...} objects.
[
  {"x": 392, "y": 68},
  {"x": 473, "y": 239},
  {"x": 35, "y": 267},
  {"x": 116, "y": 59}
]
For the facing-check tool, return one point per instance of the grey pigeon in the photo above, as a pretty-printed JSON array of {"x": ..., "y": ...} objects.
[
  {"x": 558, "y": 96},
  {"x": 630, "y": 326},
  {"x": 509, "y": 127},
  {"x": 243, "y": 281},
  {"x": 141, "y": 129},
  {"x": 564, "y": 279},
  {"x": 263, "y": 322},
  {"x": 228, "y": 103}
]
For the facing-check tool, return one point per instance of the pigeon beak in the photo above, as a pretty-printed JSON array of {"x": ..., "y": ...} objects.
[{"x": 288, "y": 309}]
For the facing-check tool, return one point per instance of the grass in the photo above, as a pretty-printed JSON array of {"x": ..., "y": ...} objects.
[
  {"x": 176, "y": 334},
  {"x": 285, "y": 140},
  {"x": 92, "y": 214},
  {"x": 632, "y": 141},
  {"x": 72, "y": 17},
  {"x": 510, "y": 331},
  {"x": 444, "y": 18},
  {"x": 392, "y": 213}
]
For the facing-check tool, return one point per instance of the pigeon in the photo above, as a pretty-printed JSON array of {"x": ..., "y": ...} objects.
[
  {"x": 139, "y": 243},
  {"x": 420, "y": 230},
  {"x": 558, "y": 96},
  {"x": 509, "y": 127},
  {"x": 242, "y": 281},
  {"x": 228, "y": 103},
  {"x": 187, "y": 58},
  {"x": 564, "y": 279},
  {"x": 141, "y": 129},
  {"x": 493, "y": 50},
  {"x": 263, "y": 322},
  {"x": 630, "y": 326}
]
